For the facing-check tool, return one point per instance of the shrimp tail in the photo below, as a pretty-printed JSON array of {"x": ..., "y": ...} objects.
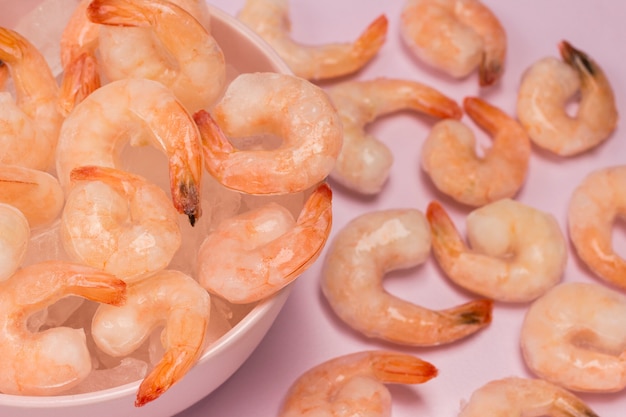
[
  {"x": 372, "y": 38},
  {"x": 4, "y": 73},
  {"x": 447, "y": 242},
  {"x": 397, "y": 368},
  {"x": 81, "y": 78},
  {"x": 11, "y": 46},
  {"x": 489, "y": 70},
  {"x": 588, "y": 71},
  {"x": 484, "y": 114},
  {"x": 115, "y": 13},
  {"x": 90, "y": 283},
  {"x": 477, "y": 313},
  {"x": 186, "y": 197}
]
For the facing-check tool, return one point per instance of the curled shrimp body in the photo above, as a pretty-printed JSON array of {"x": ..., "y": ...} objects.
[
  {"x": 290, "y": 108},
  {"x": 51, "y": 361},
  {"x": 364, "y": 162},
  {"x": 269, "y": 19},
  {"x": 518, "y": 397},
  {"x": 14, "y": 236},
  {"x": 196, "y": 75},
  {"x": 361, "y": 253},
  {"x": 449, "y": 156},
  {"x": 354, "y": 384},
  {"x": 141, "y": 112},
  {"x": 30, "y": 123},
  {"x": 171, "y": 299},
  {"x": 595, "y": 206},
  {"x": 119, "y": 222},
  {"x": 456, "y": 36},
  {"x": 517, "y": 252},
  {"x": 253, "y": 255},
  {"x": 544, "y": 92},
  {"x": 575, "y": 336}
]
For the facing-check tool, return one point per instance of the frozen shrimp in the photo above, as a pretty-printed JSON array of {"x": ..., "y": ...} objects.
[
  {"x": 30, "y": 122},
  {"x": 364, "y": 162},
  {"x": 517, "y": 397},
  {"x": 545, "y": 91},
  {"x": 175, "y": 49},
  {"x": 575, "y": 336},
  {"x": 51, "y": 361},
  {"x": 270, "y": 19},
  {"x": 516, "y": 252},
  {"x": 14, "y": 236},
  {"x": 269, "y": 104},
  {"x": 456, "y": 36},
  {"x": 354, "y": 384},
  {"x": 361, "y": 253},
  {"x": 253, "y": 255},
  {"x": 119, "y": 222},
  {"x": 595, "y": 206},
  {"x": 171, "y": 299},
  {"x": 449, "y": 156},
  {"x": 141, "y": 112}
]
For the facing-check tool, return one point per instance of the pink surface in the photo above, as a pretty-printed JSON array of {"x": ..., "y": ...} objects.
[{"x": 307, "y": 332}]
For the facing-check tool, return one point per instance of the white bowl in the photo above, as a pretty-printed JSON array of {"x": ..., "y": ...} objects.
[{"x": 245, "y": 52}]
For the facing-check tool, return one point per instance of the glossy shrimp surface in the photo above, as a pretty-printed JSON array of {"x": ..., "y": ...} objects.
[
  {"x": 14, "y": 236},
  {"x": 359, "y": 256},
  {"x": 354, "y": 384}
]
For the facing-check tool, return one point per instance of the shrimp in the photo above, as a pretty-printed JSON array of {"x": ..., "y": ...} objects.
[
  {"x": 30, "y": 123},
  {"x": 353, "y": 384},
  {"x": 37, "y": 194},
  {"x": 251, "y": 256},
  {"x": 48, "y": 362},
  {"x": 575, "y": 336},
  {"x": 456, "y": 36},
  {"x": 518, "y": 252},
  {"x": 545, "y": 90},
  {"x": 361, "y": 253},
  {"x": 518, "y": 397},
  {"x": 170, "y": 298},
  {"x": 270, "y": 20},
  {"x": 364, "y": 162},
  {"x": 197, "y": 74},
  {"x": 14, "y": 236},
  {"x": 297, "y": 111},
  {"x": 449, "y": 157},
  {"x": 141, "y": 112},
  {"x": 595, "y": 206},
  {"x": 80, "y": 78},
  {"x": 119, "y": 222}
]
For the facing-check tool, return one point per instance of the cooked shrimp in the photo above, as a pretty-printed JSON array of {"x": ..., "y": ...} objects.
[
  {"x": 456, "y": 36},
  {"x": 291, "y": 108},
  {"x": 169, "y": 298},
  {"x": 30, "y": 123},
  {"x": 270, "y": 19},
  {"x": 449, "y": 156},
  {"x": 353, "y": 384},
  {"x": 119, "y": 222},
  {"x": 517, "y": 252},
  {"x": 141, "y": 112},
  {"x": 361, "y": 253},
  {"x": 575, "y": 336},
  {"x": 518, "y": 397},
  {"x": 163, "y": 51},
  {"x": 14, "y": 236},
  {"x": 364, "y": 162},
  {"x": 595, "y": 206},
  {"x": 253, "y": 255},
  {"x": 48, "y": 362},
  {"x": 544, "y": 92}
]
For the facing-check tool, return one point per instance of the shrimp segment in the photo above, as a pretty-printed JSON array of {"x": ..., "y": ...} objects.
[
  {"x": 48, "y": 362},
  {"x": 359, "y": 256},
  {"x": 141, "y": 112},
  {"x": 290, "y": 108},
  {"x": 119, "y": 222},
  {"x": 269, "y": 19},
  {"x": 517, "y": 254},
  {"x": 14, "y": 236},
  {"x": 575, "y": 336},
  {"x": 546, "y": 88},
  {"x": 251, "y": 256},
  {"x": 353, "y": 384},
  {"x": 456, "y": 36},
  {"x": 517, "y": 397},
  {"x": 169, "y": 298},
  {"x": 364, "y": 162},
  {"x": 449, "y": 156}
]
